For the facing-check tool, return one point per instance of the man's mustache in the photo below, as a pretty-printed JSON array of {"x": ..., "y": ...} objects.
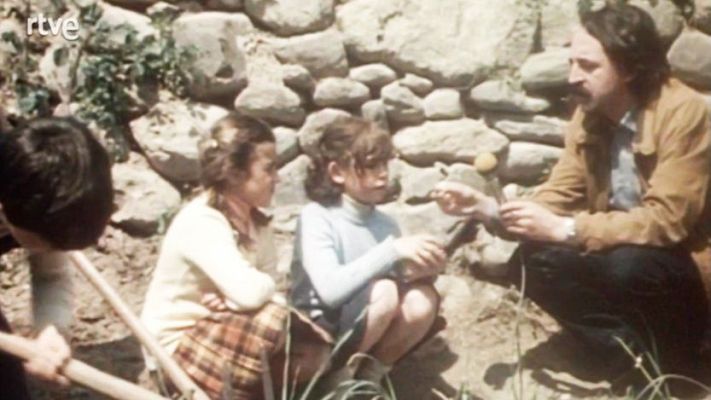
[{"x": 575, "y": 90}]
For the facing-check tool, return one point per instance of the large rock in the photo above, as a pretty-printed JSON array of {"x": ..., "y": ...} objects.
[
  {"x": 145, "y": 201},
  {"x": 402, "y": 105},
  {"x": 443, "y": 104},
  {"x": 500, "y": 96},
  {"x": 528, "y": 163},
  {"x": 291, "y": 17},
  {"x": 290, "y": 189},
  {"x": 666, "y": 15},
  {"x": 541, "y": 129},
  {"x": 340, "y": 92},
  {"x": 316, "y": 123},
  {"x": 220, "y": 62},
  {"x": 272, "y": 102},
  {"x": 546, "y": 70},
  {"x": 452, "y": 42},
  {"x": 322, "y": 53},
  {"x": 169, "y": 134},
  {"x": 374, "y": 76},
  {"x": 448, "y": 141},
  {"x": 702, "y": 16},
  {"x": 287, "y": 144},
  {"x": 559, "y": 18},
  {"x": 415, "y": 183},
  {"x": 690, "y": 58}
]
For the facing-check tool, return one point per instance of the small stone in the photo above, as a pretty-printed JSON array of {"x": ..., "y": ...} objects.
[
  {"x": 340, "y": 92},
  {"x": 374, "y": 76},
  {"x": 419, "y": 85}
]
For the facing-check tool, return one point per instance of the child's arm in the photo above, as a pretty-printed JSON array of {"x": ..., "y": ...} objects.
[
  {"x": 52, "y": 290},
  {"x": 209, "y": 244},
  {"x": 334, "y": 282}
]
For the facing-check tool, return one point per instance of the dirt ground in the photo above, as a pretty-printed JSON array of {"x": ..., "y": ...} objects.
[{"x": 477, "y": 352}]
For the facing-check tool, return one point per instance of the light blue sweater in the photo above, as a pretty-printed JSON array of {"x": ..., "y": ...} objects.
[{"x": 338, "y": 251}]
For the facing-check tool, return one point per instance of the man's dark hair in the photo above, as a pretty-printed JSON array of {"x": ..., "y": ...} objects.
[
  {"x": 55, "y": 181},
  {"x": 631, "y": 40}
]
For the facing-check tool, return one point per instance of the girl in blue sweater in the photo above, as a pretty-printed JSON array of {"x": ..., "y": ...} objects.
[{"x": 352, "y": 271}]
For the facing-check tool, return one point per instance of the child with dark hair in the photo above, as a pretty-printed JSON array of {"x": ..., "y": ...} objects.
[
  {"x": 346, "y": 253},
  {"x": 55, "y": 194}
]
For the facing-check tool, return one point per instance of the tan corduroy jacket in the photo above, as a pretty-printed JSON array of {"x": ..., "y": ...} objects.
[{"x": 672, "y": 150}]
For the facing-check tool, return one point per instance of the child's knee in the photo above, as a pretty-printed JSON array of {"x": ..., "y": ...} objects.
[
  {"x": 384, "y": 297},
  {"x": 420, "y": 303}
]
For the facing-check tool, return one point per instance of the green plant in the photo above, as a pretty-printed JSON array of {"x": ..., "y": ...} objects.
[{"x": 110, "y": 69}]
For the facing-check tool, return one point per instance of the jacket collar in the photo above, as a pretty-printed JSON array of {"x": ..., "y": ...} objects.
[{"x": 596, "y": 127}]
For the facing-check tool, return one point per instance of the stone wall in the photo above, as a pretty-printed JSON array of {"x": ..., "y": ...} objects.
[{"x": 449, "y": 79}]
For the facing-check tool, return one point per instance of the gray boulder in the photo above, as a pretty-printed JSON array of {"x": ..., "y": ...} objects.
[
  {"x": 340, "y": 92},
  {"x": 169, "y": 135},
  {"x": 145, "y": 201},
  {"x": 374, "y": 76},
  {"x": 540, "y": 129},
  {"x": 451, "y": 42},
  {"x": 448, "y": 141},
  {"x": 501, "y": 96},
  {"x": 322, "y": 53},
  {"x": 546, "y": 70},
  {"x": 290, "y": 17},
  {"x": 220, "y": 62},
  {"x": 419, "y": 85},
  {"x": 272, "y": 102}
]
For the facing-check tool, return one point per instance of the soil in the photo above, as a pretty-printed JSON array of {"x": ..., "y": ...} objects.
[{"x": 476, "y": 354}]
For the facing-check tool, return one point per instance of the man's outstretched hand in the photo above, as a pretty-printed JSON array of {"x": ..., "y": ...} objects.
[
  {"x": 531, "y": 221},
  {"x": 458, "y": 199}
]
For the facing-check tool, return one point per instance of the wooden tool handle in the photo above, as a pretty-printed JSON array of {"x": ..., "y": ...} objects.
[
  {"x": 81, "y": 373},
  {"x": 181, "y": 380}
]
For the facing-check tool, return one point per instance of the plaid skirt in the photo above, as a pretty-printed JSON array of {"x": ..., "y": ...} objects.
[{"x": 223, "y": 352}]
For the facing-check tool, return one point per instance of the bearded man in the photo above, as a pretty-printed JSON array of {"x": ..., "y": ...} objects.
[{"x": 615, "y": 243}]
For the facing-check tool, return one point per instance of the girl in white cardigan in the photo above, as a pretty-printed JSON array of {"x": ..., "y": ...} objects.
[{"x": 220, "y": 244}]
